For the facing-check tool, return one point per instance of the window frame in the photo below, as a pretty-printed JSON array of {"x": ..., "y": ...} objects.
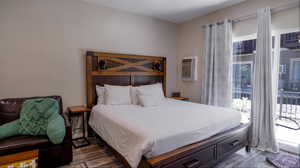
[
  {"x": 246, "y": 62},
  {"x": 292, "y": 61}
]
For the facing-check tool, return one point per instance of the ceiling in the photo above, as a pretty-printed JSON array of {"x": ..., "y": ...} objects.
[{"x": 176, "y": 11}]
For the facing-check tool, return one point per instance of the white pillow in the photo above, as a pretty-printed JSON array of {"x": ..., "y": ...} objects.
[
  {"x": 117, "y": 95},
  {"x": 100, "y": 94},
  {"x": 149, "y": 100},
  {"x": 150, "y": 95}
]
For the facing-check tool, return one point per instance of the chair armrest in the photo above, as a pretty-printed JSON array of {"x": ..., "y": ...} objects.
[
  {"x": 67, "y": 143},
  {"x": 68, "y": 126},
  {"x": 67, "y": 120}
]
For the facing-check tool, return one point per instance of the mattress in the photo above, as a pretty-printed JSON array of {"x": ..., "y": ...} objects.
[{"x": 136, "y": 131}]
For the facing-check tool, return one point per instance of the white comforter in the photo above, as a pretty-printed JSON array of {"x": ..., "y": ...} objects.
[{"x": 150, "y": 131}]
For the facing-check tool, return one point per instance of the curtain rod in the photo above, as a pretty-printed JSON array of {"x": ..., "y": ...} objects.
[{"x": 253, "y": 15}]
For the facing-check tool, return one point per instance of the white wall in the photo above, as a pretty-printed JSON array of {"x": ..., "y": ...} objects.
[
  {"x": 190, "y": 34},
  {"x": 42, "y": 44}
]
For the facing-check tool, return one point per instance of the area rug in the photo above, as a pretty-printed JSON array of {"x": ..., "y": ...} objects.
[{"x": 284, "y": 161}]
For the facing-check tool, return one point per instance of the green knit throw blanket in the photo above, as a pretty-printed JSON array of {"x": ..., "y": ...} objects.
[{"x": 37, "y": 117}]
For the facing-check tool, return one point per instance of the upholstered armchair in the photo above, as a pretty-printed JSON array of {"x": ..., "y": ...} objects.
[{"x": 50, "y": 155}]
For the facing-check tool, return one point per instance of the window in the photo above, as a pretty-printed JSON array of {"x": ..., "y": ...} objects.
[
  {"x": 288, "y": 99},
  {"x": 289, "y": 76},
  {"x": 295, "y": 70},
  {"x": 244, "y": 52},
  {"x": 242, "y": 77},
  {"x": 245, "y": 47}
]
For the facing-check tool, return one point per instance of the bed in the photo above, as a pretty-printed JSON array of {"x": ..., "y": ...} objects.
[{"x": 173, "y": 134}]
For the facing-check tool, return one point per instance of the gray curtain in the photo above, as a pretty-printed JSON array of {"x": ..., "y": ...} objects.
[
  {"x": 264, "y": 86},
  {"x": 217, "y": 84}
]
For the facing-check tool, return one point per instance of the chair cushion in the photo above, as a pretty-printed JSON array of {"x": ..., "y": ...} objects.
[
  {"x": 9, "y": 129},
  {"x": 10, "y": 108},
  {"x": 56, "y": 130},
  {"x": 38, "y": 117},
  {"x": 21, "y": 143}
]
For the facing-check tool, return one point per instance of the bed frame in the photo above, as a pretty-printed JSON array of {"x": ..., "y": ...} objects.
[{"x": 126, "y": 69}]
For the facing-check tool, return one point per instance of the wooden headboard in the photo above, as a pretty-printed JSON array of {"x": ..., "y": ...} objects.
[{"x": 122, "y": 69}]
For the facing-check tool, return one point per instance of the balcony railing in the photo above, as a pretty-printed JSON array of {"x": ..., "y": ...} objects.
[{"x": 288, "y": 107}]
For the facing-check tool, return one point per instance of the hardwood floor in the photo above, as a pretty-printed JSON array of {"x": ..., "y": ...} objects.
[
  {"x": 95, "y": 155},
  {"x": 98, "y": 155}
]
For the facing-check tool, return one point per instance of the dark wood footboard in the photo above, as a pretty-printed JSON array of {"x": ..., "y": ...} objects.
[{"x": 205, "y": 153}]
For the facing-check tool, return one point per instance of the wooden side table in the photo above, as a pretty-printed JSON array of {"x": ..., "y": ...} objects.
[
  {"x": 77, "y": 111},
  {"x": 180, "y": 98}
]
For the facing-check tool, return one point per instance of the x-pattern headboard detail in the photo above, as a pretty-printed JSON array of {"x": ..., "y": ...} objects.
[{"x": 122, "y": 69}]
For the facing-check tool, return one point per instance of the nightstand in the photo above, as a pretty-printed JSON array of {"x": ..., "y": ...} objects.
[
  {"x": 180, "y": 98},
  {"x": 79, "y": 111}
]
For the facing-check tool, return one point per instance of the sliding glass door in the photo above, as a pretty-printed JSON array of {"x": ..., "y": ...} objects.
[
  {"x": 243, "y": 57},
  {"x": 288, "y": 104},
  {"x": 286, "y": 44}
]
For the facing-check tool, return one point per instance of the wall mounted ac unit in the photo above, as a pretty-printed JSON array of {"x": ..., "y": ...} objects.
[{"x": 189, "y": 68}]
